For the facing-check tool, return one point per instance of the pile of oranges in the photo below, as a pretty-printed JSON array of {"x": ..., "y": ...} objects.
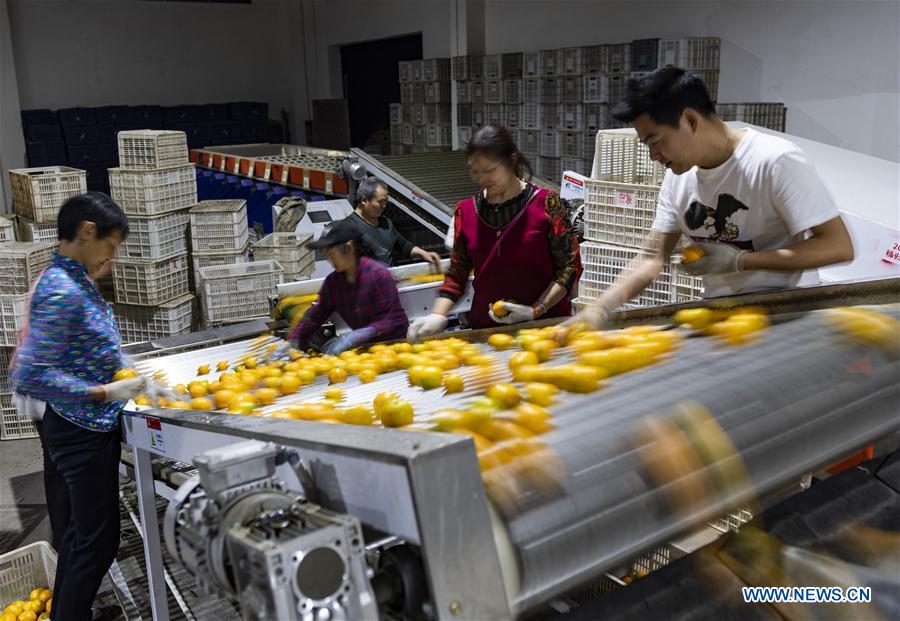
[{"x": 38, "y": 606}]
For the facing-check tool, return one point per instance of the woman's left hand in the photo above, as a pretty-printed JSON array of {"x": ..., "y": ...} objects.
[{"x": 516, "y": 313}]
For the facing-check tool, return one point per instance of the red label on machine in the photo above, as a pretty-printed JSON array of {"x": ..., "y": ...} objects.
[
  {"x": 891, "y": 253},
  {"x": 573, "y": 180},
  {"x": 154, "y": 423}
]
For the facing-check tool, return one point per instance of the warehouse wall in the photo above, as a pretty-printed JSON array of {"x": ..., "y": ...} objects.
[
  {"x": 12, "y": 144},
  {"x": 102, "y": 52},
  {"x": 328, "y": 24},
  {"x": 834, "y": 63}
]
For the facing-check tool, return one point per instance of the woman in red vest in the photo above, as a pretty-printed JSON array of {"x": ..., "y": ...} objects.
[{"x": 515, "y": 236}]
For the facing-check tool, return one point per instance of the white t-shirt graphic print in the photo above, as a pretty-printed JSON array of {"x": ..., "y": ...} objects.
[{"x": 766, "y": 196}]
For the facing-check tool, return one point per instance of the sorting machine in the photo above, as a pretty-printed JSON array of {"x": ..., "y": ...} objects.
[{"x": 295, "y": 519}]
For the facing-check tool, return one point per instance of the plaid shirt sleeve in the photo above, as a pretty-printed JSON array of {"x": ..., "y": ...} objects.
[
  {"x": 317, "y": 314},
  {"x": 384, "y": 303},
  {"x": 457, "y": 276}
]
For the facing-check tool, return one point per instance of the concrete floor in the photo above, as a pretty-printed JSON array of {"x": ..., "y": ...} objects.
[{"x": 23, "y": 507}]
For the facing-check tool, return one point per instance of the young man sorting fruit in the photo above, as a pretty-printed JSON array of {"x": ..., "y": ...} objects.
[{"x": 753, "y": 204}]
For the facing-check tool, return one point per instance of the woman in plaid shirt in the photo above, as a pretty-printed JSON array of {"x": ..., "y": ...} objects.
[{"x": 361, "y": 290}]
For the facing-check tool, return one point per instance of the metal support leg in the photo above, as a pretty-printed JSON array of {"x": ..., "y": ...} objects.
[{"x": 146, "y": 493}]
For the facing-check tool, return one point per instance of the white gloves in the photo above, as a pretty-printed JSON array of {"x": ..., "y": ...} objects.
[
  {"x": 516, "y": 313},
  {"x": 720, "y": 258},
  {"x": 595, "y": 316},
  {"x": 155, "y": 390},
  {"x": 124, "y": 390},
  {"x": 282, "y": 351},
  {"x": 425, "y": 326}
]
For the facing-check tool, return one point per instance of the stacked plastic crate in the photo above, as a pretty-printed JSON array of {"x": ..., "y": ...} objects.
[
  {"x": 290, "y": 250},
  {"x": 231, "y": 289},
  {"x": 38, "y": 194},
  {"x": 620, "y": 206},
  {"x": 20, "y": 265},
  {"x": 420, "y": 123},
  {"x": 769, "y": 115},
  {"x": 155, "y": 186}
]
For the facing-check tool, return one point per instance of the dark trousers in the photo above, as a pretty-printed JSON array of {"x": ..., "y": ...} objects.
[
  {"x": 58, "y": 508},
  {"x": 89, "y": 463}
]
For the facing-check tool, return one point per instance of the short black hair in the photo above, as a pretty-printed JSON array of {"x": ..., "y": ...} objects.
[
  {"x": 95, "y": 207},
  {"x": 368, "y": 186},
  {"x": 664, "y": 94}
]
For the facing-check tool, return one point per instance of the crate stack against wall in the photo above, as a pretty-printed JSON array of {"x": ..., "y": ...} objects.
[
  {"x": 555, "y": 101},
  {"x": 420, "y": 123},
  {"x": 155, "y": 185},
  {"x": 768, "y": 115},
  {"x": 620, "y": 206},
  {"x": 38, "y": 194},
  {"x": 20, "y": 265}
]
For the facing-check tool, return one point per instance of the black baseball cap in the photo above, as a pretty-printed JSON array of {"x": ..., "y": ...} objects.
[{"x": 336, "y": 233}]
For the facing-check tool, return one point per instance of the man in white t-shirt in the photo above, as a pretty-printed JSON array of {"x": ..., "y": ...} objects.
[{"x": 752, "y": 202}]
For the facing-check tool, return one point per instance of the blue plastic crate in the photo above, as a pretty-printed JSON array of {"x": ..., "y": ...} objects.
[
  {"x": 110, "y": 152},
  {"x": 197, "y": 135},
  {"x": 44, "y": 133},
  {"x": 37, "y": 154},
  {"x": 56, "y": 153},
  {"x": 248, "y": 110},
  {"x": 108, "y": 134},
  {"x": 77, "y": 117},
  {"x": 41, "y": 116},
  {"x": 81, "y": 135},
  {"x": 82, "y": 155},
  {"x": 146, "y": 117},
  {"x": 224, "y": 133},
  {"x": 174, "y": 116},
  {"x": 113, "y": 115},
  {"x": 211, "y": 113}
]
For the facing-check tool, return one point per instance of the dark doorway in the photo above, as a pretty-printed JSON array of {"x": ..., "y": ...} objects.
[{"x": 371, "y": 83}]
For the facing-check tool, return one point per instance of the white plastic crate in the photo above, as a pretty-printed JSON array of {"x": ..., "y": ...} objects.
[
  {"x": 549, "y": 116},
  {"x": 476, "y": 67},
  {"x": 437, "y": 114},
  {"x": 416, "y": 71},
  {"x": 419, "y": 135},
  {"x": 619, "y": 213},
  {"x": 571, "y": 116},
  {"x": 463, "y": 135},
  {"x": 217, "y": 258},
  {"x": 438, "y": 135},
  {"x": 408, "y": 92},
  {"x": 551, "y": 90},
  {"x": 531, "y": 141},
  {"x": 531, "y": 116},
  {"x": 531, "y": 64},
  {"x": 493, "y": 91},
  {"x": 138, "y": 324},
  {"x": 152, "y": 149},
  {"x": 437, "y": 92},
  {"x": 571, "y": 89},
  {"x": 769, "y": 115},
  {"x": 687, "y": 286},
  {"x": 417, "y": 114},
  {"x": 516, "y": 136},
  {"x": 464, "y": 92},
  {"x": 548, "y": 168},
  {"x": 596, "y": 116},
  {"x": 38, "y": 193},
  {"x": 7, "y": 229},
  {"x": 396, "y": 113},
  {"x": 571, "y": 144},
  {"x": 153, "y": 192},
  {"x": 6, "y": 354},
  {"x": 152, "y": 283},
  {"x": 596, "y": 88},
  {"x": 404, "y": 71},
  {"x": 551, "y": 143},
  {"x": 492, "y": 67},
  {"x": 571, "y": 61},
  {"x": 579, "y": 165},
  {"x": 14, "y": 426},
  {"x": 512, "y": 115},
  {"x": 219, "y": 225},
  {"x": 494, "y": 114},
  {"x": 459, "y": 67},
  {"x": 551, "y": 62},
  {"x": 589, "y": 139},
  {"x": 512, "y": 91},
  {"x": 617, "y": 85},
  {"x": 710, "y": 77},
  {"x": 407, "y": 133},
  {"x": 26, "y": 569},
  {"x": 34, "y": 232},
  {"x": 436, "y": 70},
  {"x": 477, "y": 91},
  {"x": 13, "y": 314},
  {"x": 602, "y": 265},
  {"x": 621, "y": 157},
  {"x": 689, "y": 53},
  {"x": 152, "y": 239},
  {"x": 284, "y": 248},
  {"x": 531, "y": 90},
  {"x": 592, "y": 59},
  {"x": 478, "y": 117},
  {"x": 21, "y": 263},
  {"x": 511, "y": 65},
  {"x": 617, "y": 58},
  {"x": 238, "y": 292}
]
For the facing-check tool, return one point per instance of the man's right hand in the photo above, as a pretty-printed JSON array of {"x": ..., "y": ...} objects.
[{"x": 425, "y": 326}]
